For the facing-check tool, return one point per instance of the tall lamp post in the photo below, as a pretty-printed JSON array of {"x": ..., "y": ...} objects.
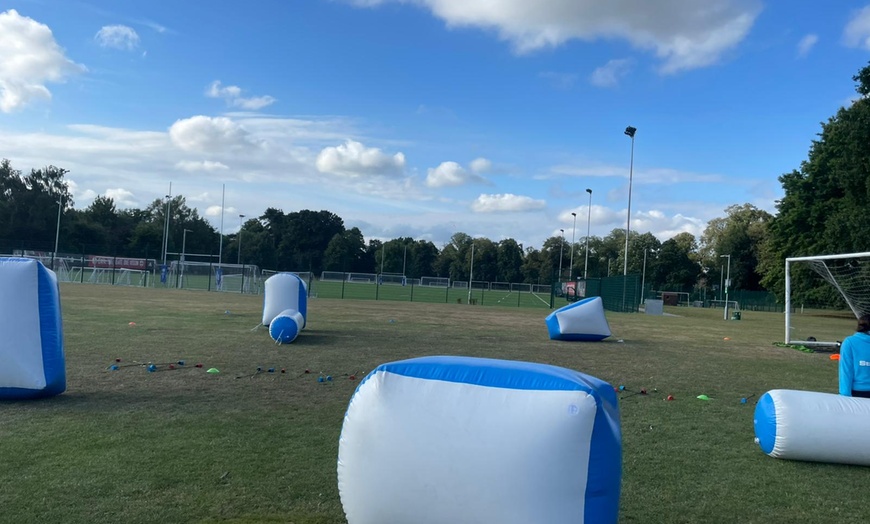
[
  {"x": 166, "y": 225},
  {"x": 57, "y": 234},
  {"x": 727, "y": 283},
  {"x": 643, "y": 278},
  {"x": 561, "y": 249},
  {"x": 630, "y": 131},
  {"x": 180, "y": 283},
  {"x": 184, "y": 243},
  {"x": 588, "y": 224},
  {"x": 573, "y": 230},
  {"x": 241, "y": 225}
]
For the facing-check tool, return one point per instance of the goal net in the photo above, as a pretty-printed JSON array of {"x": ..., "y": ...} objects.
[
  {"x": 824, "y": 283},
  {"x": 435, "y": 281}
]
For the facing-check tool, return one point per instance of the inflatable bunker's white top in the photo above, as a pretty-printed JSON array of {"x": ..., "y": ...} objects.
[
  {"x": 582, "y": 320},
  {"x": 458, "y": 439},
  {"x": 283, "y": 291},
  {"x": 32, "y": 363}
]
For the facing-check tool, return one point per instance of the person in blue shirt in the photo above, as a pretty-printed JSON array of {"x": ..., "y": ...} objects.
[{"x": 855, "y": 361}]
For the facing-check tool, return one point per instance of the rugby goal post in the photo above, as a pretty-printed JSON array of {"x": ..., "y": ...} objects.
[{"x": 848, "y": 273}]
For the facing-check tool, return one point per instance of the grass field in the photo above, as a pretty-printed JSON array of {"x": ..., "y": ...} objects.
[{"x": 186, "y": 446}]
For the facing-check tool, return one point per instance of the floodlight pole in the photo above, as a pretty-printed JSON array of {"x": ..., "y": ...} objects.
[
  {"x": 183, "y": 252},
  {"x": 57, "y": 234},
  {"x": 471, "y": 272},
  {"x": 588, "y": 225},
  {"x": 571, "y": 269},
  {"x": 727, "y": 283},
  {"x": 630, "y": 131},
  {"x": 404, "y": 259},
  {"x": 166, "y": 224},
  {"x": 241, "y": 225},
  {"x": 643, "y": 278},
  {"x": 561, "y": 249}
]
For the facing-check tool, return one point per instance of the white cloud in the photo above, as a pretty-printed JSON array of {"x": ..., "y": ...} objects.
[
  {"x": 684, "y": 34},
  {"x": 611, "y": 73},
  {"x": 117, "y": 37},
  {"x": 200, "y": 165},
  {"x": 234, "y": 98},
  {"x": 122, "y": 197},
  {"x": 664, "y": 226},
  {"x": 506, "y": 203},
  {"x": 29, "y": 58},
  {"x": 353, "y": 159},
  {"x": 213, "y": 211},
  {"x": 450, "y": 174},
  {"x": 806, "y": 44},
  {"x": 857, "y": 31},
  {"x": 209, "y": 134},
  {"x": 480, "y": 165}
]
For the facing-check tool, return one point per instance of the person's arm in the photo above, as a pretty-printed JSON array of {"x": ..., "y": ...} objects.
[{"x": 847, "y": 369}]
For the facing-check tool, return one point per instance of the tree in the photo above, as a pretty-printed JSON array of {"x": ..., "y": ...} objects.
[
  {"x": 674, "y": 269},
  {"x": 510, "y": 261},
  {"x": 823, "y": 210},
  {"x": 740, "y": 234},
  {"x": 345, "y": 252}
]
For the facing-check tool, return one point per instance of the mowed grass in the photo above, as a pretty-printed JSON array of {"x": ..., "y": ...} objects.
[{"x": 186, "y": 446}]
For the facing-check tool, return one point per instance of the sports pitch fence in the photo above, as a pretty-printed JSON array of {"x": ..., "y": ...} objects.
[{"x": 618, "y": 293}]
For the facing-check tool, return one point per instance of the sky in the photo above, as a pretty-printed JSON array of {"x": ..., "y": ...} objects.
[{"x": 422, "y": 118}]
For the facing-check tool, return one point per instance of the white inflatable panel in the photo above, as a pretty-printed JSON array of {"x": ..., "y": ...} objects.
[
  {"x": 31, "y": 335},
  {"x": 444, "y": 440},
  {"x": 812, "y": 426},
  {"x": 582, "y": 320},
  {"x": 284, "y": 291}
]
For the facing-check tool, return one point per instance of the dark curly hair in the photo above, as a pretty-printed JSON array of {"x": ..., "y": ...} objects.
[{"x": 863, "y": 323}]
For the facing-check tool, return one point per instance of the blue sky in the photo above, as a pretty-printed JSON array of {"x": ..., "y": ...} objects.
[{"x": 425, "y": 117}]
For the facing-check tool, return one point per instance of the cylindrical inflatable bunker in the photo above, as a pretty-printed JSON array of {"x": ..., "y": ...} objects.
[
  {"x": 812, "y": 426},
  {"x": 284, "y": 291},
  {"x": 32, "y": 363},
  {"x": 457, "y": 439},
  {"x": 285, "y": 327}
]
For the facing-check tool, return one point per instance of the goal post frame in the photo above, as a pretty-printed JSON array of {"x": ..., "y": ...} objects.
[{"x": 788, "y": 262}]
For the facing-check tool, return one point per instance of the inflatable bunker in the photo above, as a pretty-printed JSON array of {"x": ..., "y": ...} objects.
[
  {"x": 32, "y": 363},
  {"x": 283, "y": 291},
  {"x": 813, "y": 426},
  {"x": 442, "y": 440},
  {"x": 582, "y": 320}
]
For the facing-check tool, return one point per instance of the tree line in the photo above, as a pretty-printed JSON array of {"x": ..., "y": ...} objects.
[
  {"x": 823, "y": 212},
  {"x": 317, "y": 241}
]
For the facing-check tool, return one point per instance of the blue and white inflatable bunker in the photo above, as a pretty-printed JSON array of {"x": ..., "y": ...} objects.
[
  {"x": 582, "y": 320},
  {"x": 812, "y": 426},
  {"x": 32, "y": 364},
  {"x": 283, "y": 291},
  {"x": 286, "y": 326},
  {"x": 444, "y": 440}
]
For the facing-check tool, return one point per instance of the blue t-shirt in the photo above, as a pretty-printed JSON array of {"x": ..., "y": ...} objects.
[{"x": 855, "y": 364}]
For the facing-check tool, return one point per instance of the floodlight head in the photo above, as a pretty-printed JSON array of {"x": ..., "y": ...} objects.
[
  {"x": 630, "y": 131},
  {"x": 589, "y": 191},
  {"x": 573, "y": 214}
]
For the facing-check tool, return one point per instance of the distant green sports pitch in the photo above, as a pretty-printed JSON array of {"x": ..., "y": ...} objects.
[{"x": 183, "y": 445}]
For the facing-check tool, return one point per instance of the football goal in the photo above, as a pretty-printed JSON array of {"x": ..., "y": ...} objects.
[{"x": 847, "y": 277}]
